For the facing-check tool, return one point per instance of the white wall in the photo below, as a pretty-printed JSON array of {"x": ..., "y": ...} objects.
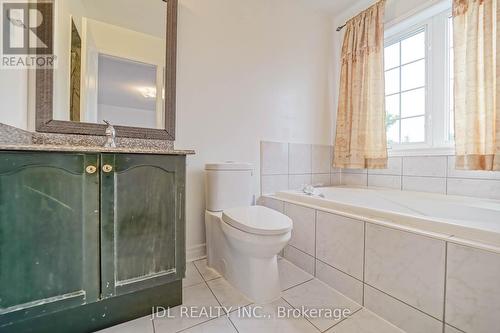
[
  {"x": 248, "y": 71},
  {"x": 125, "y": 43},
  {"x": 14, "y": 97}
]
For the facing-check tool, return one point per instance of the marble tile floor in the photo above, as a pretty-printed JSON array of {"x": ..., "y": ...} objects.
[{"x": 216, "y": 307}]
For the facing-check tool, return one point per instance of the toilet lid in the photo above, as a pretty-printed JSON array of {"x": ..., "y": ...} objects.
[{"x": 258, "y": 220}]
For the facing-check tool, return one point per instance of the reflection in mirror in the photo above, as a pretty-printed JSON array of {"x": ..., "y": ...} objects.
[
  {"x": 127, "y": 93},
  {"x": 76, "y": 74},
  {"x": 111, "y": 62}
]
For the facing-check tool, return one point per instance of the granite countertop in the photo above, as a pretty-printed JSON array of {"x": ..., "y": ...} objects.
[
  {"x": 15, "y": 139},
  {"x": 93, "y": 149}
]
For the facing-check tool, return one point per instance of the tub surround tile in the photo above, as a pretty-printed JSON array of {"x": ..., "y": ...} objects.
[
  {"x": 304, "y": 225},
  {"x": 298, "y": 182},
  {"x": 291, "y": 275},
  {"x": 473, "y": 289},
  {"x": 427, "y": 166},
  {"x": 489, "y": 189},
  {"x": 335, "y": 179},
  {"x": 274, "y": 184},
  {"x": 227, "y": 295},
  {"x": 321, "y": 159},
  {"x": 400, "y": 314},
  {"x": 321, "y": 180},
  {"x": 299, "y": 258},
  {"x": 407, "y": 266},
  {"x": 301, "y": 164},
  {"x": 300, "y": 159},
  {"x": 340, "y": 243},
  {"x": 424, "y": 184},
  {"x": 194, "y": 296},
  {"x": 271, "y": 203},
  {"x": 334, "y": 169},
  {"x": 480, "y": 245},
  {"x": 432, "y": 174},
  {"x": 206, "y": 272},
  {"x": 394, "y": 167},
  {"x": 387, "y": 181},
  {"x": 355, "y": 171},
  {"x": 270, "y": 322},
  {"x": 364, "y": 321},
  {"x": 317, "y": 295},
  {"x": 454, "y": 173},
  {"x": 274, "y": 158},
  {"x": 405, "y": 278},
  {"x": 354, "y": 179},
  {"x": 343, "y": 283}
]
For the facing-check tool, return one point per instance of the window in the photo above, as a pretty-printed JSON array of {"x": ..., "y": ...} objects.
[
  {"x": 418, "y": 78},
  {"x": 451, "y": 115},
  {"x": 405, "y": 89}
]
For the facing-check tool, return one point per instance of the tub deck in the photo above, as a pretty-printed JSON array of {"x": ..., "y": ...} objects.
[{"x": 472, "y": 221}]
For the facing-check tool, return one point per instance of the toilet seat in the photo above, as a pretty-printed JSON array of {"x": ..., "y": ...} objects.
[{"x": 258, "y": 220}]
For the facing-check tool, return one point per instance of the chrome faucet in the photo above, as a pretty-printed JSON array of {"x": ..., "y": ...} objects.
[
  {"x": 308, "y": 189},
  {"x": 110, "y": 135},
  {"x": 311, "y": 191}
]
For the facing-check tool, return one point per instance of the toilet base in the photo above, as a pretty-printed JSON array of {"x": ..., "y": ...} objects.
[
  {"x": 259, "y": 279},
  {"x": 248, "y": 262}
]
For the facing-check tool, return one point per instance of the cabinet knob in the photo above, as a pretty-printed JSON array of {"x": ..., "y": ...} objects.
[
  {"x": 91, "y": 169},
  {"x": 107, "y": 168}
]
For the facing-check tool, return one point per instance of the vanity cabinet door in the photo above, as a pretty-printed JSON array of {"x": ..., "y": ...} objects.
[
  {"x": 49, "y": 231},
  {"x": 142, "y": 212}
]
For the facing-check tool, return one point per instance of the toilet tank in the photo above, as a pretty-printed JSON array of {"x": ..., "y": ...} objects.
[{"x": 228, "y": 185}]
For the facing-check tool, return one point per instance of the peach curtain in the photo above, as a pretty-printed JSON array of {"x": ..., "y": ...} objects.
[
  {"x": 477, "y": 112},
  {"x": 361, "y": 130}
]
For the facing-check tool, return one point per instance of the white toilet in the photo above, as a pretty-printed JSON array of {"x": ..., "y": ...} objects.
[{"x": 243, "y": 240}]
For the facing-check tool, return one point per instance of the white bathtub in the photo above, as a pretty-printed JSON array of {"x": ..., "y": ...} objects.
[{"x": 466, "y": 220}]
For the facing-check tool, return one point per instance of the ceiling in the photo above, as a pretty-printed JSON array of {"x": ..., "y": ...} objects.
[
  {"x": 149, "y": 16},
  {"x": 146, "y": 16},
  {"x": 331, "y": 6},
  {"x": 120, "y": 81}
]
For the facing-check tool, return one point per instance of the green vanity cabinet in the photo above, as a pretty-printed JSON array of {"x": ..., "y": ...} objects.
[
  {"x": 49, "y": 229},
  {"x": 141, "y": 197},
  {"x": 88, "y": 240}
]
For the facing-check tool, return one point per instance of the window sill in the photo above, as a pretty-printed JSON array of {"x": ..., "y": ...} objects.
[{"x": 421, "y": 151}]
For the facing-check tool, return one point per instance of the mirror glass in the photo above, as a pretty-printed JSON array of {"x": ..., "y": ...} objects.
[{"x": 110, "y": 62}]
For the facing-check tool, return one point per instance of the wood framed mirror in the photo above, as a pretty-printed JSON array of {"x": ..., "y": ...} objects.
[{"x": 111, "y": 65}]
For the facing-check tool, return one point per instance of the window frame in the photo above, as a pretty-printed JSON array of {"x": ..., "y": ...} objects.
[
  {"x": 449, "y": 88},
  {"x": 398, "y": 38},
  {"x": 437, "y": 80}
]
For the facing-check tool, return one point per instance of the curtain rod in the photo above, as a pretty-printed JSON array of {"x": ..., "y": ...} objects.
[{"x": 339, "y": 28}]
